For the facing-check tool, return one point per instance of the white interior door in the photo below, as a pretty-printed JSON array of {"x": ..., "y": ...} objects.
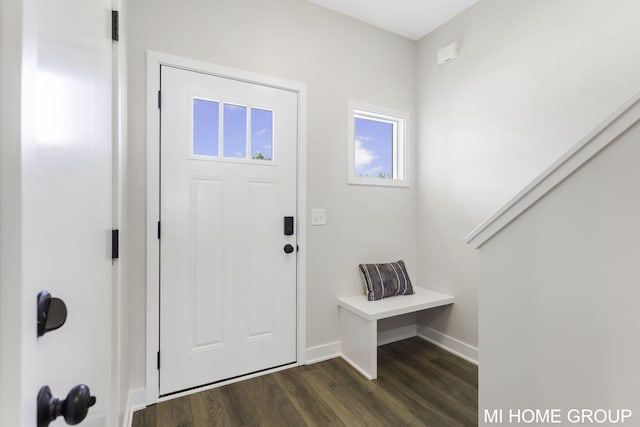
[
  {"x": 228, "y": 180},
  {"x": 66, "y": 199}
]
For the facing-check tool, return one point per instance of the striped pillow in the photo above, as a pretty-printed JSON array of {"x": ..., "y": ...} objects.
[{"x": 386, "y": 280}]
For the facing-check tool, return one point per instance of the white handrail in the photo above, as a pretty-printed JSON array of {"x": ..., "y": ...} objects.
[{"x": 604, "y": 134}]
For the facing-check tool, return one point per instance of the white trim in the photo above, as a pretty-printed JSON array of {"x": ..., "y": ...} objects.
[
  {"x": 401, "y": 144},
  {"x": 135, "y": 402},
  {"x": 127, "y": 420},
  {"x": 323, "y": 352},
  {"x": 16, "y": 405},
  {"x": 153, "y": 215},
  {"x": 450, "y": 344},
  {"x": 358, "y": 368},
  {"x": 397, "y": 334},
  {"x": 595, "y": 141},
  {"x": 119, "y": 386},
  {"x": 137, "y": 398},
  {"x": 154, "y": 61}
]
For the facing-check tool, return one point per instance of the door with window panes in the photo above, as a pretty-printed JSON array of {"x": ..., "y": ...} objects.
[{"x": 227, "y": 268}]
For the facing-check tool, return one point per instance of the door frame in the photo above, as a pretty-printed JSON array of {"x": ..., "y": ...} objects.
[{"x": 154, "y": 61}]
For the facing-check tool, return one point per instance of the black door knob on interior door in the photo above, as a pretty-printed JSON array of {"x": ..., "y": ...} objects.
[
  {"x": 288, "y": 248},
  {"x": 74, "y": 408}
]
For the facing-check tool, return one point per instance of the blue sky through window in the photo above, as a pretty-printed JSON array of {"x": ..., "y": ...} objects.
[
  {"x": 373, "y": 148},
  {"x": 206, "y": 130},
  {"x": 261, "y": 134},
  {"x": 205, "y": 127},
  {"x": 234, "y": 136}
]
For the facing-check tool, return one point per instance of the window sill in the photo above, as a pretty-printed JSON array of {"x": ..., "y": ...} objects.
[{"x": 375, "y": 182}]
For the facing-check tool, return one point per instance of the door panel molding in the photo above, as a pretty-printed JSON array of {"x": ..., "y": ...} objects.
[{"x": 154, "y": 61}]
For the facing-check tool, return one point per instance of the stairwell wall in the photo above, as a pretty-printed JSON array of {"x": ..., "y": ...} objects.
[{"x": 531, "y": 80}]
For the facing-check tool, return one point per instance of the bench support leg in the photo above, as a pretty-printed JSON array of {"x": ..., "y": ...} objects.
[{"x": 359, "y": 343}]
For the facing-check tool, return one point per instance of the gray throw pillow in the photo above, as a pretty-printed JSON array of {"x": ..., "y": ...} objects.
[{"x": 386, "y": 280}]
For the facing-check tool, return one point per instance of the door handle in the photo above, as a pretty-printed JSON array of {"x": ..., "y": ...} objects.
[
  {"x": 288, "y": 248},
  {"x": 52, "y": 313},
  {"x": 74, "y": 408}
]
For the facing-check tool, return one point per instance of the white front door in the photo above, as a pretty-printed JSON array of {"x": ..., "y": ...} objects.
[
  {"x": 227, "y": 262},
  {"x": 66, "y": 202}
]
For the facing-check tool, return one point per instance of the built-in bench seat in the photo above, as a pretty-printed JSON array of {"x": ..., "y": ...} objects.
[{"x": 359, "y": 323}]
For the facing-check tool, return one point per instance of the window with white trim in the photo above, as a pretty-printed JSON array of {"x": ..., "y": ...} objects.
[{"x": 377, "y": 146}]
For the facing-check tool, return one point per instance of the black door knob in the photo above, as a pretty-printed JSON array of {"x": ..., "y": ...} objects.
[
  {"x": 74, "y": 408},
  {"x": 288, "y": 249}
]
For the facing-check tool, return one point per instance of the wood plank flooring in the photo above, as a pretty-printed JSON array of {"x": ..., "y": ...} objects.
[{"x": 418, "y": 384}]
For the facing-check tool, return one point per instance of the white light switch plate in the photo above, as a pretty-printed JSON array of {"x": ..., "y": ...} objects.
[{"x": 318, "y": 216}]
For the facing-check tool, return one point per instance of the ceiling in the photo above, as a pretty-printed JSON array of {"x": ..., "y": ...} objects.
[{"x": 412, "y": 19}]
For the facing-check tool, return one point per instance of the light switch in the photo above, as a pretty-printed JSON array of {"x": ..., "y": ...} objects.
[{"x": 318, "y": 216}]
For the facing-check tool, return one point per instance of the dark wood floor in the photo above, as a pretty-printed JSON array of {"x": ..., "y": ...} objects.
[{"x": 418, "y": 385}]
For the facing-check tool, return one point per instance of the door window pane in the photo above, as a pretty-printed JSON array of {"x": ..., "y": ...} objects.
[
  {"x": 205, "y": 127},
  {"x": 261, "y": 134},
  {"x": 235, "y": 131},
  {"x": 373, "y": 148}
]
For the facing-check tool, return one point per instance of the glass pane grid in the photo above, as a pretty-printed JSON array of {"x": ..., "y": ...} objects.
[{"x": 232, "y": 132}]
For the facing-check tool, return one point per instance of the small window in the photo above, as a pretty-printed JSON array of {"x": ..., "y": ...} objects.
[{"x": 377, "y": 147}]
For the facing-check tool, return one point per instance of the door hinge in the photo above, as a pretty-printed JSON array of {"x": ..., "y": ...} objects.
[
  {"x": 115, "y": 25},
  {"x": 158, "y": 230},
  {"x": 158, "y": 361},
  {"x": 159, "y": 100},
  {"x": 115, "y": 244}
]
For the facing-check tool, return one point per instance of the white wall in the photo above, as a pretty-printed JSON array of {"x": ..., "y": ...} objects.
[
  {"x": 560, "y": 297},
  {"x": 338, "y": 59},
  {"x": 532, "y": 78}
]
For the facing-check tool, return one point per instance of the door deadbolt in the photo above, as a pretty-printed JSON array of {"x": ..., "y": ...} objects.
[{"x": 52, "y": 313}]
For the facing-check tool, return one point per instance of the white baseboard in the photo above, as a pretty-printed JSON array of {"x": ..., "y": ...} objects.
[
  {"x": 135, "y": 401},
  {"x": 323, "y": 352},
  {"x": 452, "y": 345},
  {"x": 356, "y": 367},
  {"x": 397, "y": 334}
]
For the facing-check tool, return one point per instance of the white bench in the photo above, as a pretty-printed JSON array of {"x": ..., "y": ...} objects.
[{"x": 359, "y": 323}]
